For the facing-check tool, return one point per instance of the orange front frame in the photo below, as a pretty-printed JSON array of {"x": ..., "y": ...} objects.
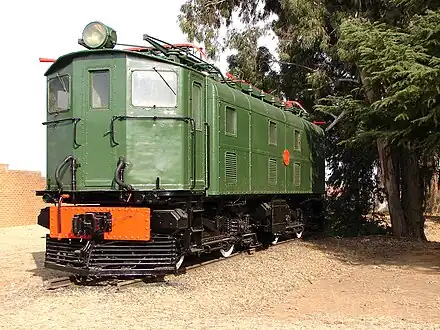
[{"x": 128, "y": 223}]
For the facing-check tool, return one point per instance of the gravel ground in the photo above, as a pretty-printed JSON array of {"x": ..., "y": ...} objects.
[{"x": 372, "y": 283}]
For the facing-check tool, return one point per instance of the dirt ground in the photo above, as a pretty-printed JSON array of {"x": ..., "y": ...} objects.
[{"x": 360, "y": 283}]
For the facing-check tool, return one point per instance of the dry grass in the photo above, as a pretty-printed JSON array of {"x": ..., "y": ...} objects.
[{"x": 372, "y": 283}]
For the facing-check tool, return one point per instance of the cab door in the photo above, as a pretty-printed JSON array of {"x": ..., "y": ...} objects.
[
  {"x": 197, "y": 111},
  {"x": 99, "y": 155}
]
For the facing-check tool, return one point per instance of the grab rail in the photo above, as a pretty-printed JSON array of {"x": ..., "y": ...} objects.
[
  {"x": 119, "y": 172},
  {"x": 73, "y": 166},
  {"x": 208, "y": 156},
  {"x": 75, "y": 122}
]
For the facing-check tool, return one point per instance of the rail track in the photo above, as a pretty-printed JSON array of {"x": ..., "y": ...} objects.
[{"x": 67, "y": 281}]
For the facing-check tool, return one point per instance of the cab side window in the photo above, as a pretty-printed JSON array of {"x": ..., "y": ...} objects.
[
  {"x": 297, "y": 140},
  {"x": 58, "y": 94},
  {"x": 230, "y": 121},
  {"x": 272, "y": 133}
]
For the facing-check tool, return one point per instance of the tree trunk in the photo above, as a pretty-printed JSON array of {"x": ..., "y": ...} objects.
[
  {"x": 405, "y": 194},
  {"x": 433, "y": 198},
  {"x": 389, "y": 176},
  {"x": 413, "y": 205},
  {"x": 400, "y": 174}
]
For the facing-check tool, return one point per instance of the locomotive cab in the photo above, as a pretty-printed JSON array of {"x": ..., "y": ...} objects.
[{"x": 122, "y": 119}]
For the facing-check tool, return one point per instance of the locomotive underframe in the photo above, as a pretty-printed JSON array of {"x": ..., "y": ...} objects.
[{"x": 181, "y": 225}]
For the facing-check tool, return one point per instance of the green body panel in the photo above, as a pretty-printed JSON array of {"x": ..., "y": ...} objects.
[
  {"x": 227, "y": 151},
  {"x": 157, "y": 148},
  {"x": 98, "y": 157},
  {"x": 246, "y": 163},
  {"x": 59, "y": 137}
]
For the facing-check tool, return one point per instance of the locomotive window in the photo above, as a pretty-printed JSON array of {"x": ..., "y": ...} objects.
[
  {"x": 297, "y": 140},
  {"x": 272, "y": 133},
  {"x": 197, "y": 105},
  {"x": 154, "y": 88},
  {"x": 58, "y": 94},
  {"x": 100, "y": 89},
  {"x": 231, "y": 122}
]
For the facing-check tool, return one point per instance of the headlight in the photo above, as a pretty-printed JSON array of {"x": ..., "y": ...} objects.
[{"x": 98, "y": 35}]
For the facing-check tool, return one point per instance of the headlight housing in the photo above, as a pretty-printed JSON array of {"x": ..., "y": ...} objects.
[{"x": 98, "y": 35}]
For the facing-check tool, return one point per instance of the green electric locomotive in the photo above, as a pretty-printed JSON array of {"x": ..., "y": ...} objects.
[{"x": 153, "y": 155}]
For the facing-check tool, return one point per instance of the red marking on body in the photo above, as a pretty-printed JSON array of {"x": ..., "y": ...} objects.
[{"x": 286, "y": 157}]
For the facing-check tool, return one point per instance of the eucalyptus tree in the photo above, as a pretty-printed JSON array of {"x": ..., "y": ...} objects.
[{"x": 376, "y": 62}]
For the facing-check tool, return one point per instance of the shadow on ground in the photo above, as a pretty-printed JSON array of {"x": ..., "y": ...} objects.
[
  {"x": 46, "y": 274},
  {"x": 366, "y": 250},
  {"x": 381, "y": 250}
]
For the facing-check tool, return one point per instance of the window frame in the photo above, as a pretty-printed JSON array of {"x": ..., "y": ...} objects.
[
  {"x": 198, "y": 121},
  {"x": 69, "y": 92},
  {"x": 269, "y": 134},
  {"x": 91, "y": 71},
  {"x": 297, "y": 144},
  {"x": 228, "y": 133},
  {"x": 150, "y": 69}
]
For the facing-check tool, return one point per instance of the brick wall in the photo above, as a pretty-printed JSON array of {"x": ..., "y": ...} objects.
[{"x": 18, "y": 204}]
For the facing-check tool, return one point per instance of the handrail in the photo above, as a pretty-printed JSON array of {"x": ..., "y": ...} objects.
[
  {"x": 75, "y": 122},
  {"x": 73, "y": 169},
  {"x": 208, "y": 156},
  {"x": 185, "y": 119},
  {"x": 119, "y": 168}
]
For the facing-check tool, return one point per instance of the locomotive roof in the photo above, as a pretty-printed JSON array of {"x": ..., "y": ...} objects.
[
  {"x": 66, "y": 59},
  {"x": 236, "y": 87}
]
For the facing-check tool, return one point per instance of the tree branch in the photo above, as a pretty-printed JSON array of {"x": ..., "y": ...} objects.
[
  {"x": 335, "y": 121},
  {"x": 354, "y": 81},
  {"x": 213, "y": 3},
  {"x": 294, "y": 64}
]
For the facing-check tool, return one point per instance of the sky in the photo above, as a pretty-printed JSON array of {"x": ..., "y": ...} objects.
[{"x": 54, "y": 31}]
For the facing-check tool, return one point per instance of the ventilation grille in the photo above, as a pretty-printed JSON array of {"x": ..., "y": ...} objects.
[
  {"x": 272, "y": 171},
  {"x": 297, "y": 174},
  {"x": 230, "y": 167}
]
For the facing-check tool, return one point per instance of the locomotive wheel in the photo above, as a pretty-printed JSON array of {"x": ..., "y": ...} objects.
[
  {"x": 300, "y": 217},
  {"x": 227, "y": 253}
]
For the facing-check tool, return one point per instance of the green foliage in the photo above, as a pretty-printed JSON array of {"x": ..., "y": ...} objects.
[
  {"x": 349, "y": 217},
  {"x": 251, "y": 64},
  {"x": 351, "y": 156},
  {"x": 403, "y": 66},
  {"x": 201, "y": 20}
]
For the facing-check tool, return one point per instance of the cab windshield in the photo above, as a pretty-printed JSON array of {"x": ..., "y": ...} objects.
[
  {"x": 58, "y": 93},
  {"x": 154, "y": 88}
]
